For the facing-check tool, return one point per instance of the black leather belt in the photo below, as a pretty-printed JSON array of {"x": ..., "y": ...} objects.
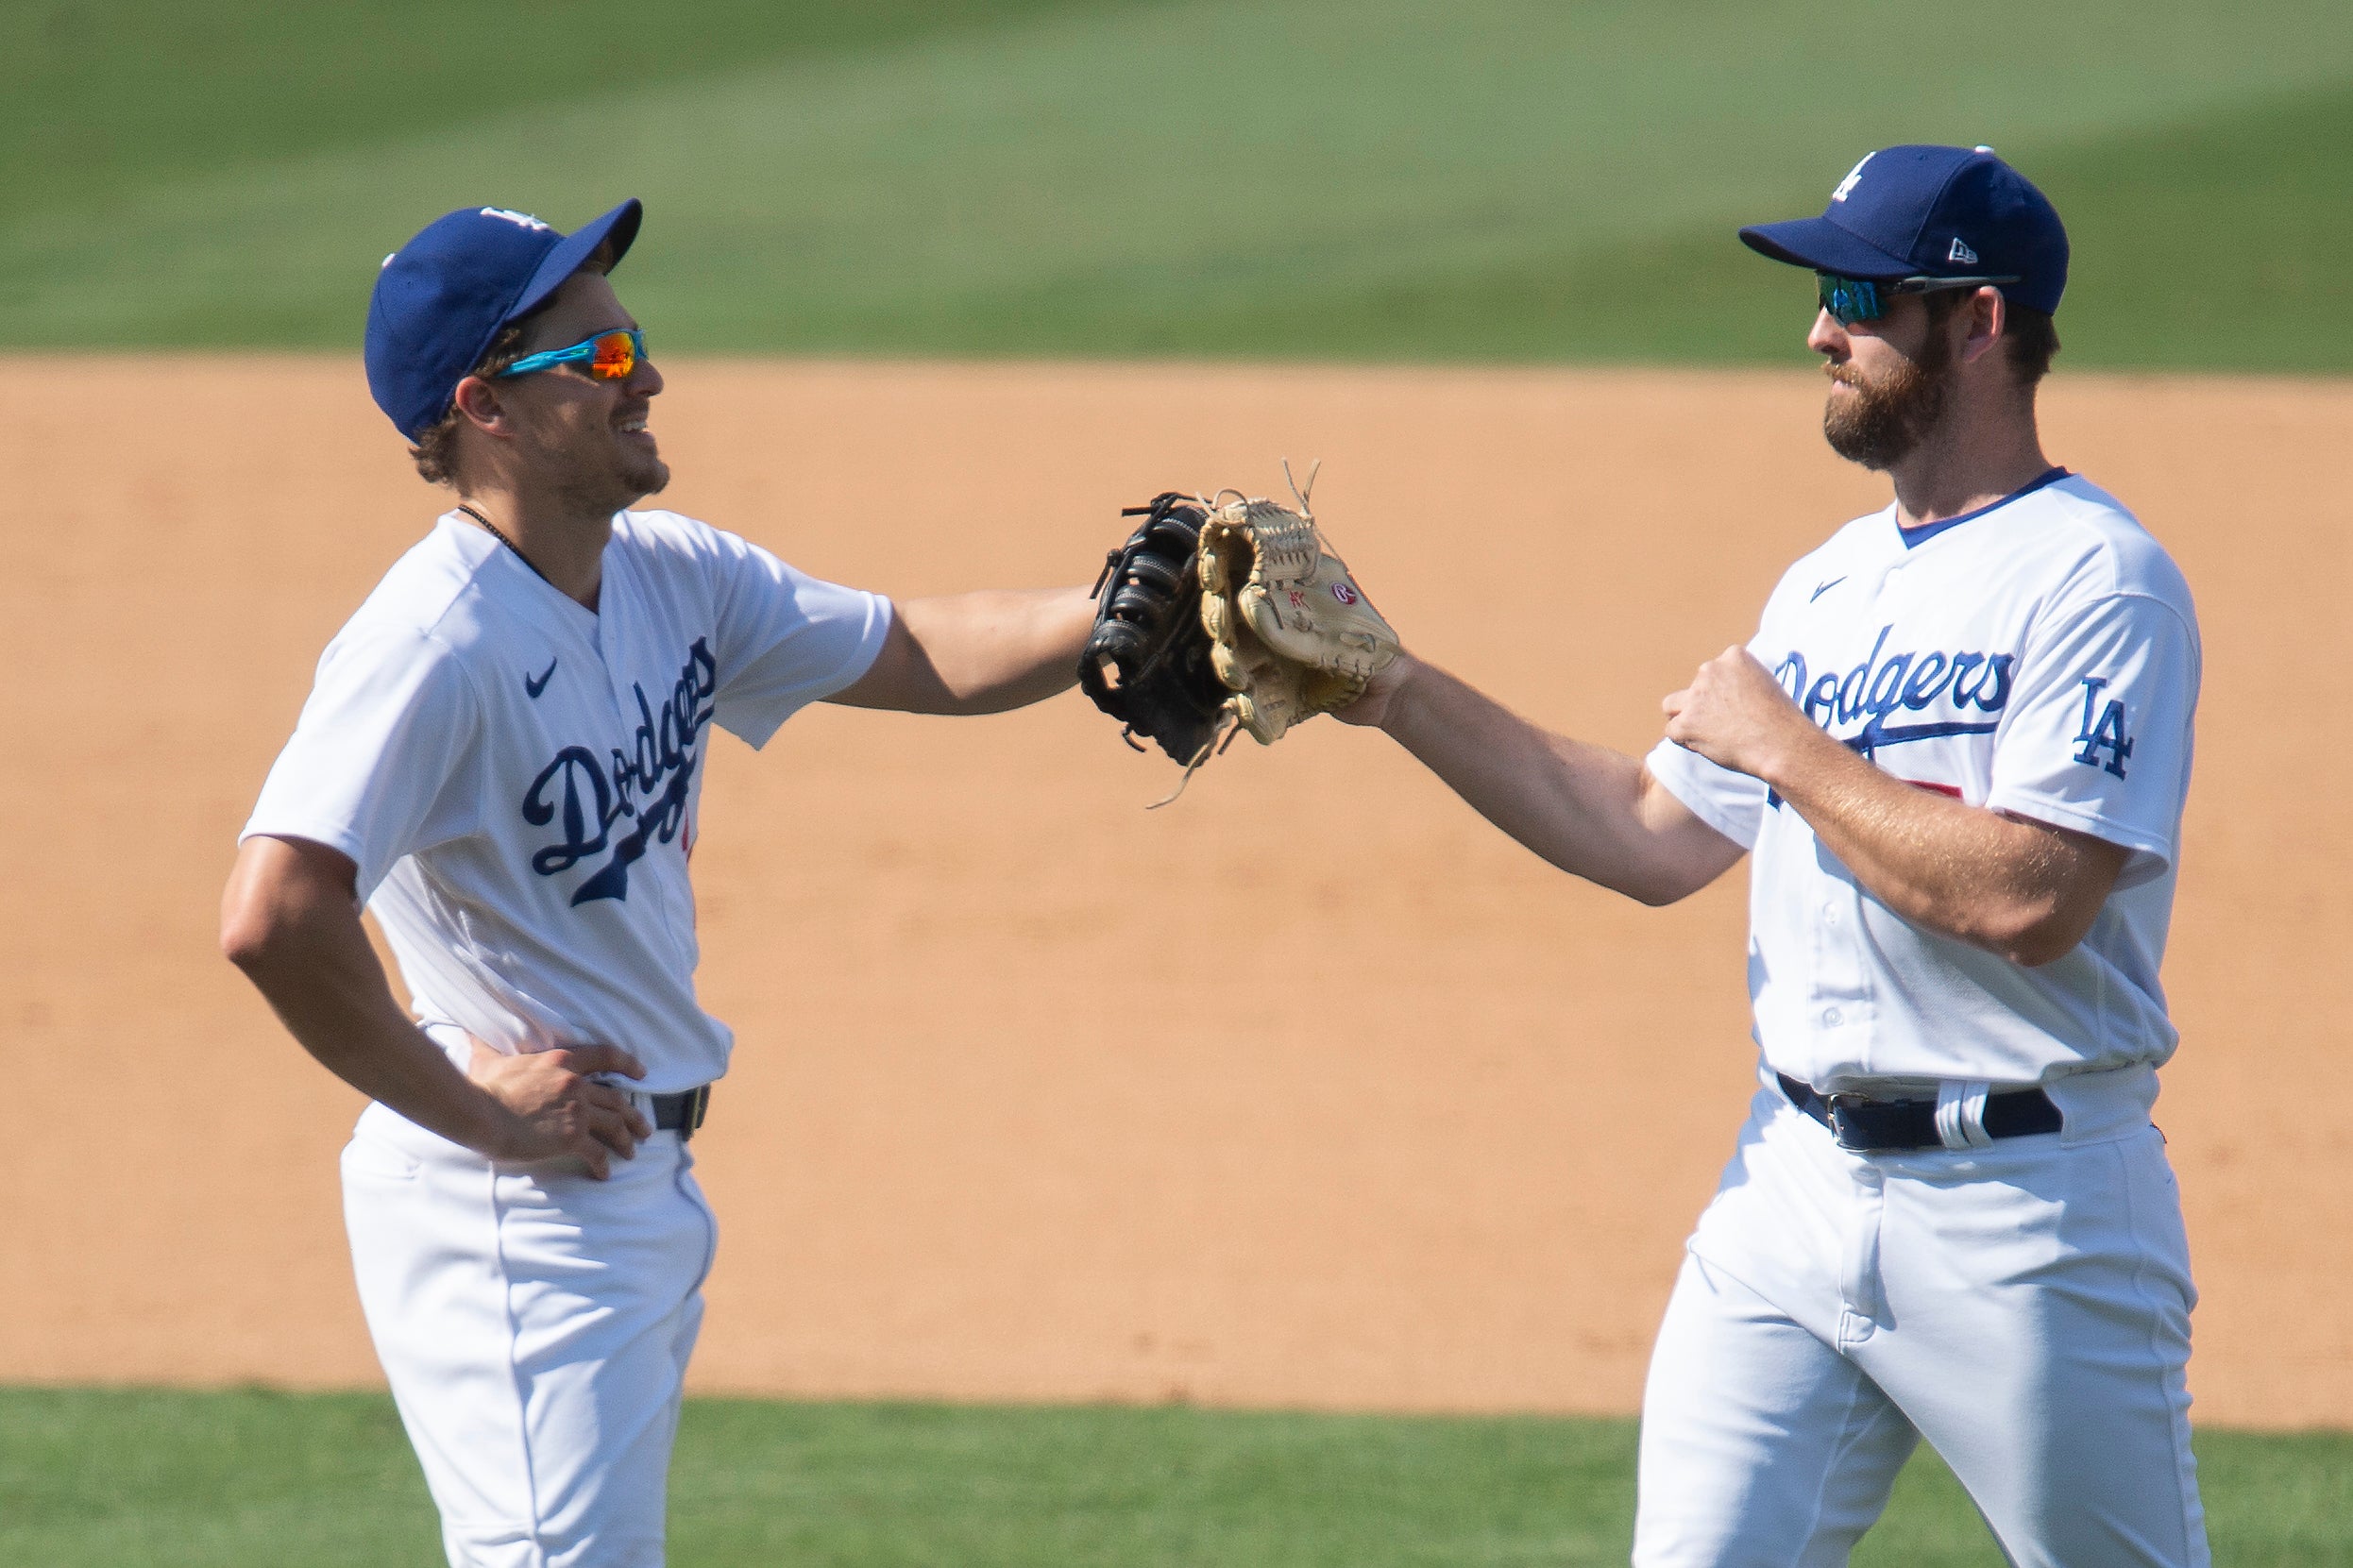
[
  {"x": 682, "y": 1112},
  {"x": 1888, "y": 1126}
]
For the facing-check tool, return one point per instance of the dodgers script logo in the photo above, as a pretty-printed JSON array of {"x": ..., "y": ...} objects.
[
  {"x": 1887, "y": 686},
  {"x": 648, "y": 784}
]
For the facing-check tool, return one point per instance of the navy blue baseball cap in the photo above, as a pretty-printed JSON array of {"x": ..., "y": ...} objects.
[
  {"x": 441, "y": 299},
  {"x": 1919, "y": 211}
]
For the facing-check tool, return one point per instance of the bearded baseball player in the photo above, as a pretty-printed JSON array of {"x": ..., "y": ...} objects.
[
  {"x": 1957, "y": 749},
  {"x": 501, "y": 757}
]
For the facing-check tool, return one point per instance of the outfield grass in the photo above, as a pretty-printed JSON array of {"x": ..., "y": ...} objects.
[
  {"x": 255, "y": 1478},
  {"x": 1515, "y": 179}
]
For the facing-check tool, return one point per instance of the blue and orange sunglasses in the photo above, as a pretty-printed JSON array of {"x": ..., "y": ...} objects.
[{"x": 608, "y": 356}]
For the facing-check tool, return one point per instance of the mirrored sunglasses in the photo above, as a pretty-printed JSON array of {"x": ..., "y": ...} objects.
[
  {"x": 608, "y": 356},
  {"x": 1852, "y": 300}
]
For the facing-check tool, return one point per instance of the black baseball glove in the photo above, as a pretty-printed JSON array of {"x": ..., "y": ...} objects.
[{"x": 1147, "y": 663}]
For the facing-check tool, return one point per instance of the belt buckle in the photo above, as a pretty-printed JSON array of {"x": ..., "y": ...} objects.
[
  {"x": 690, "y": 1115},
  {"x": 1844, "y": 1133}
]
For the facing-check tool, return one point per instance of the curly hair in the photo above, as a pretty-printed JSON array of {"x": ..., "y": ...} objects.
[{"x": 435, "y": 453}]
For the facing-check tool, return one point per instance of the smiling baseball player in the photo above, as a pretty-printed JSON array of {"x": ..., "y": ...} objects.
[
  {"x": 1957, "y": 749},
  {"x": 502, "y": 758}
]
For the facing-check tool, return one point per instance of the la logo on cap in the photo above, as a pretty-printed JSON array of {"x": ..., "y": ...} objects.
[
  {"x": 1854, "y": 177},
  {"x": 523, "y": 220}
]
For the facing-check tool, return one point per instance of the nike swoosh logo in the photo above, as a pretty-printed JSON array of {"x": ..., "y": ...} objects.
[
  {"x": 1823, "y": 589},
  {"x": 532, "y": 685}
]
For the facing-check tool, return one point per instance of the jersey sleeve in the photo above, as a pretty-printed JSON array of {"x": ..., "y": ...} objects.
[
  {"x": 374, "y": 767},
  {"x": 787, "y": 639},
  {"x": 2098, "y": 736},
  {"x": 1732, "y": 803}
]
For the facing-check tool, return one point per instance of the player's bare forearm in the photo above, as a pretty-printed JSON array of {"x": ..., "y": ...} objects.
[
  {"x": 2025, "y": 890},
  {"x": 289, "y": 921},
  {"x": 977, "y": 653},
  {"x": 299, "y": 940},
  {"x": 1593, "y": 811}
]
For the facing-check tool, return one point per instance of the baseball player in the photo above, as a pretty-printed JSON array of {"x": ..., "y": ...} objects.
[
  {"x": 502, "y": 757},
  {"x": 1957, "y": 749}
]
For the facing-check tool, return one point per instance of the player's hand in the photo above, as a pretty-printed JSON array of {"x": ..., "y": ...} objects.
[
  {"x": 1736, "y": 714},
  {"x": 1372, "y": 709},
  {"x": 558, "y": 1108}
]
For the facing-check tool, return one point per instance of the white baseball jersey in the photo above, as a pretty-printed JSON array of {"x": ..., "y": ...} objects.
[
  {"x": 517, "y": 777},
  {"x": 2041, "y": 657}
]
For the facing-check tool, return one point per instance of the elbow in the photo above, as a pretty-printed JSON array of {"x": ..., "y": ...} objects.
[
  {"x": 247, "y": 939},
  {"x": 1655, "y": 880},
  {"x": 281, "y": 896},
  {"x": 1656, "y": 889},
  {"x": 257, "y": 932},
  {"x": 2036, "y": 934}
]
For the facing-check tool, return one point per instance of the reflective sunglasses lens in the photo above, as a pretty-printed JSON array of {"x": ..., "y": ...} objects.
[
  {"x": 1849, "y": 300},
  {"x": 616, "y": 357}
]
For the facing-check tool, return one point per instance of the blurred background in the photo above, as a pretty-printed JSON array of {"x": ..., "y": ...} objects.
[
  {"x": 1017, "y": 1272},
  {"x": 1475, "y": 181}
]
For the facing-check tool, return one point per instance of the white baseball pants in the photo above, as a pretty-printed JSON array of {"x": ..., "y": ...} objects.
[
  {"x": 534, "y": 1326},
  {"x": 2024, "y": 1307}
]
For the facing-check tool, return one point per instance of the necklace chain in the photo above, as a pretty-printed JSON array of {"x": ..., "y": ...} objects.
[{"x": 510, "y": 544}]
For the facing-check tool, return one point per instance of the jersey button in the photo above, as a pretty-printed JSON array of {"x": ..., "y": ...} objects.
[{"x": 1833, "y": 1016}]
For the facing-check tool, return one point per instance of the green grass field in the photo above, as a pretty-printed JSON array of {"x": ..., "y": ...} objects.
[
  {"x": 1508, "y": 179},
  {"x": 253, "y": 1478}
]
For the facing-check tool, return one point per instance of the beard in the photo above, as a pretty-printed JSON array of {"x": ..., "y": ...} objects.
[
  {"x": 646, "y": 474},
  {"x": 1880, "y": 423},
  {"x": 604, "y": 475},
  {"x": 616, "y": 489}
]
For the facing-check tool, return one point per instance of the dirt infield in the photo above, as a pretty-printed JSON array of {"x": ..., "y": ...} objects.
[{"x": 1448, "y": 1160}]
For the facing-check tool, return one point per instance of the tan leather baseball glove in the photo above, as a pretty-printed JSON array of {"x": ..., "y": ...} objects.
[{"x": 1291, "y": 634}]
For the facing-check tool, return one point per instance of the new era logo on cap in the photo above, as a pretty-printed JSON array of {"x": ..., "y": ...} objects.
[{"x": 1961, "y": 253}]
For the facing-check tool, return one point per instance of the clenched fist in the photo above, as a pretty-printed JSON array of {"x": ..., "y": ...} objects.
[{"x": 1736, "y": 714}]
